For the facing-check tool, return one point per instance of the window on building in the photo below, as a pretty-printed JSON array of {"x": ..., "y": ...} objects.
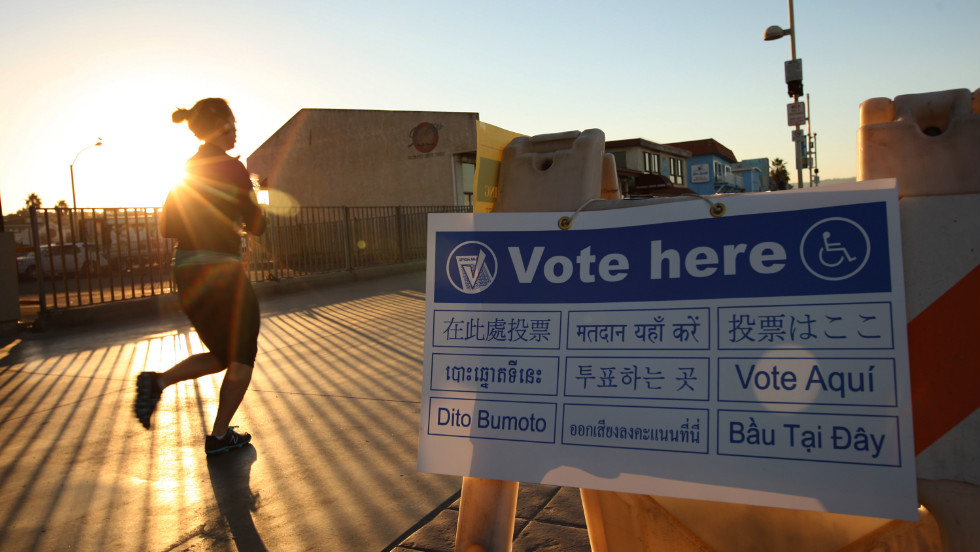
[
  {"x": 651, "y": 162},
  {"x": 464, "y": 169},
  {"x": 620, "y": 157},
  {"x": 677, "y": 171}
]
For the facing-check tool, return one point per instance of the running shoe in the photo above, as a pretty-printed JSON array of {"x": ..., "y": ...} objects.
[
  {"x": 148, "y": 393},
  {"x": 231, "y": 440}
]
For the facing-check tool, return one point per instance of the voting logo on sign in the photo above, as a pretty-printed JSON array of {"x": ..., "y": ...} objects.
[
  {"x": 471, "y": 267},
  {"x": 835, "y": 249}
]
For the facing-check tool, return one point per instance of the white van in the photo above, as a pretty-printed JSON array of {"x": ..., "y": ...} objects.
[{"x": 56, "y": 259}]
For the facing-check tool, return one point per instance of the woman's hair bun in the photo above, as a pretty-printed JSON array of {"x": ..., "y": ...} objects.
[
  {"x": 181, "y": 115},
  {"x": 206, "y": 117}
]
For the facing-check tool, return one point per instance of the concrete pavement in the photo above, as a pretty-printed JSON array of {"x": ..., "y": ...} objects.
[{"x": 333, "y": 410}]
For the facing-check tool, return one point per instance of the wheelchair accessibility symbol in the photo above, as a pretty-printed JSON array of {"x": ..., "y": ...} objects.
[{"x": 835, "y": 249}]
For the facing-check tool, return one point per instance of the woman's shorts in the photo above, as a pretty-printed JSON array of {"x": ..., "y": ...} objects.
[{"x": 221, "y": 304}]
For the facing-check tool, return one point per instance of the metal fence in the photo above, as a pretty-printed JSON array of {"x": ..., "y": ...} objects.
[{"x": 84, "y": 257}]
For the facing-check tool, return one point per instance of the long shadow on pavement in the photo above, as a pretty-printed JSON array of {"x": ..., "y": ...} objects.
[{"x": 230, "y": 475}]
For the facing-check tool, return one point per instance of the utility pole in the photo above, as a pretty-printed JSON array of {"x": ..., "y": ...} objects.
[{"x": 794, "y": 82}]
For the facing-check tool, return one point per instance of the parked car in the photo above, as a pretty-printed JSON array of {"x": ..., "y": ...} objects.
[{"x": 57, "y": 259}]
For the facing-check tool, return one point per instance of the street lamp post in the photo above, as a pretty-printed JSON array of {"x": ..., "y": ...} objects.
[
  {"x": 71, "y": 169},
  {"x": 794, "y": 77}
]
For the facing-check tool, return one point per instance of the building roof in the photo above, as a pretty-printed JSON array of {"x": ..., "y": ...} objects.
[
  {"x": 645, "y": 181},
  {"x": 654, "y": 185},
  {"x": 708, "y": 146},
  {"x": 646, "y": 144}
]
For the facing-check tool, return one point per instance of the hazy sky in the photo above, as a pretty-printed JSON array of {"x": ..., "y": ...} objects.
[{"x": 73, "y": 72}]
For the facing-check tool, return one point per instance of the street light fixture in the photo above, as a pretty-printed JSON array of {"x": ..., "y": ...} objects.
[
  {"x": 794, "y": 77},
  {"x": 71, "y": 169},
  {"x": 775, "y": 33}
]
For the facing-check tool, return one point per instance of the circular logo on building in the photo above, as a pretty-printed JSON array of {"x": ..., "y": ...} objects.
[
  {"x": 835, "y": 249},
  {"x": 425, "y": 137},
  {"x": 471, "y": 267}
]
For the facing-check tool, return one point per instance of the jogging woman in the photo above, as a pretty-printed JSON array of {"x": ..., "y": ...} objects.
[{"x": 206, "y": 214}]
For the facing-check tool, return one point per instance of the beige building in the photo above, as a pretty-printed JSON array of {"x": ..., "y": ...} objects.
[
  {"x": 646, "y": 167},
  {"x": 350, "y": 157}
]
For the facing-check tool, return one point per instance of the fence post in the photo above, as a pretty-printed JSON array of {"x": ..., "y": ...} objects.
[
  {"x": 36, "y": 237},
  {"x": 272, "y": 226},
  {"x": 348, "y": 236},
  {"x": 401, "y": 234}
]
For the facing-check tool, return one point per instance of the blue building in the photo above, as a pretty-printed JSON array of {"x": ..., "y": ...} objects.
[
  {"x": 703, "y": 167},
  {"x": 710, "y": 168},
  {"x": 754, "y": 174}
]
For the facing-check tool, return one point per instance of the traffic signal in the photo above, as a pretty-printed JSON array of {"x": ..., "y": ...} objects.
[
  {"x": 795, "y": 88},
  {"x": 794, "y": 77}
]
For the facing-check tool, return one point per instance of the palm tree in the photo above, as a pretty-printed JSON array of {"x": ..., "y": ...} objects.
[
  {"x": 778, "y": 175},
  {"x": 33, "y": 200}
]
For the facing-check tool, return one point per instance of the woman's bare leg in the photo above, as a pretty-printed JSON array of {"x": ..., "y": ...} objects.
[
  {"x": 233, "y": 389},
  {"x": 192, "y": 367}
]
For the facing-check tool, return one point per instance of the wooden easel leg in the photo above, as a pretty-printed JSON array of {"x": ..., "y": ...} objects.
[
  {"x": 593, "y": 520},
  {"x": 487, "y": 509}
]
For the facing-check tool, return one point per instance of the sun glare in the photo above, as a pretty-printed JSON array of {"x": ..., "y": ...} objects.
[
  {"x": 143, "y": 153},
  {"x": 125, "y": 176}
]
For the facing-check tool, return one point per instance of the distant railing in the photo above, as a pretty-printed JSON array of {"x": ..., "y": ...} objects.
[
  {"x": 312, "y": 240},
  {"x": 83, "y": 257}
]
